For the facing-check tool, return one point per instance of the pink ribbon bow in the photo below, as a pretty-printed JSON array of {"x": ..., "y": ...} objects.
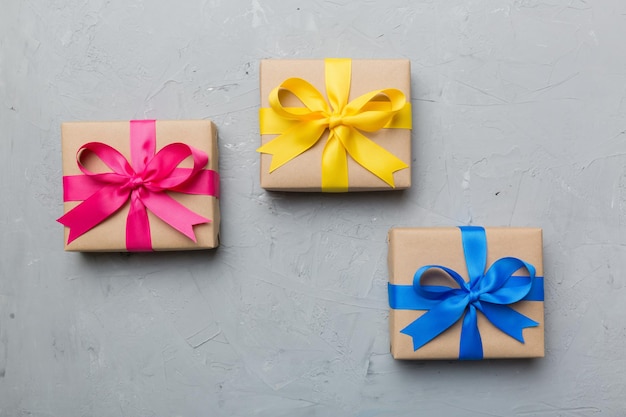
[{"x": 144, "y": 183}]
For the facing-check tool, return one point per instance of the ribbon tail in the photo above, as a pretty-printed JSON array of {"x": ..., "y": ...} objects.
[
  {"x": 93, "y": 211},
  {"x": 174, "y": 213},
  {"x": 370, "y": 155},
  {"x": 293, "y": 142},
  {"x": 471, "y": 346},
  {"x": 508, "y": 320},
  {"x": 433, "y": 323},
  {"x": 138, "y": 237},
  {"x": 334, "y": 166}
]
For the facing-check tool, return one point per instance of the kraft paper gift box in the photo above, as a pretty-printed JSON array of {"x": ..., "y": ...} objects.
[
  {"x": 498, "y": 313},
  {"x": 140, "y": 185},
  {"x": 318, "y": 117}
]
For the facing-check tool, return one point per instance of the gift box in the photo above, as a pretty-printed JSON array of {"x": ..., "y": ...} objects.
[
  {"x": 466, "y": 293},
  {"x": 335, "y": 125},
  {"x": 140, "y": 185}
]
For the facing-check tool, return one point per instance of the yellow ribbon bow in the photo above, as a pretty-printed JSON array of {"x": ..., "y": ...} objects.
[{"x": 302, "y": 127}]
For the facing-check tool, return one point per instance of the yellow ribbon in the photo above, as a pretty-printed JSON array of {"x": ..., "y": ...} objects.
[{"x": 301, "y": 127}]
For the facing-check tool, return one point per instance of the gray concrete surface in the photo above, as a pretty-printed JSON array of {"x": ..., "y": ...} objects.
[{"x": 520, "y": 119}]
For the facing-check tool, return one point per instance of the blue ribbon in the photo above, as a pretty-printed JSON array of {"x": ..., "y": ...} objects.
[{"x": 489, "y": 292}]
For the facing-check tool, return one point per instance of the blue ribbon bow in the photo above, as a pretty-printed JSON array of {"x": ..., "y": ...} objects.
[{"x": 489, "y": 292}]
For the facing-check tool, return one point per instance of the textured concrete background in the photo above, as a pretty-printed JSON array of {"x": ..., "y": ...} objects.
[{"x": 520, "y": 119}]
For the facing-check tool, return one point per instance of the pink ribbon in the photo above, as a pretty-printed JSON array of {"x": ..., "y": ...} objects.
[{"x": 144, "y": 182}]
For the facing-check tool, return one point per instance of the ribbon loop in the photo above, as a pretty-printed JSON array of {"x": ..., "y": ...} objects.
[
  {"x": 144, "y": 184},
  {"x": 490, "y": 292},
  {"x": 110, "y": 156},
  {"x": 300, "y": 128}
]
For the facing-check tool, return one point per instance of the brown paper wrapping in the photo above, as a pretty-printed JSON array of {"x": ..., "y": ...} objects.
[
  {"x": 110, "y": 235},
  {"x": 412, "y": 248},
  {"x": 303, "y": 173}
]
